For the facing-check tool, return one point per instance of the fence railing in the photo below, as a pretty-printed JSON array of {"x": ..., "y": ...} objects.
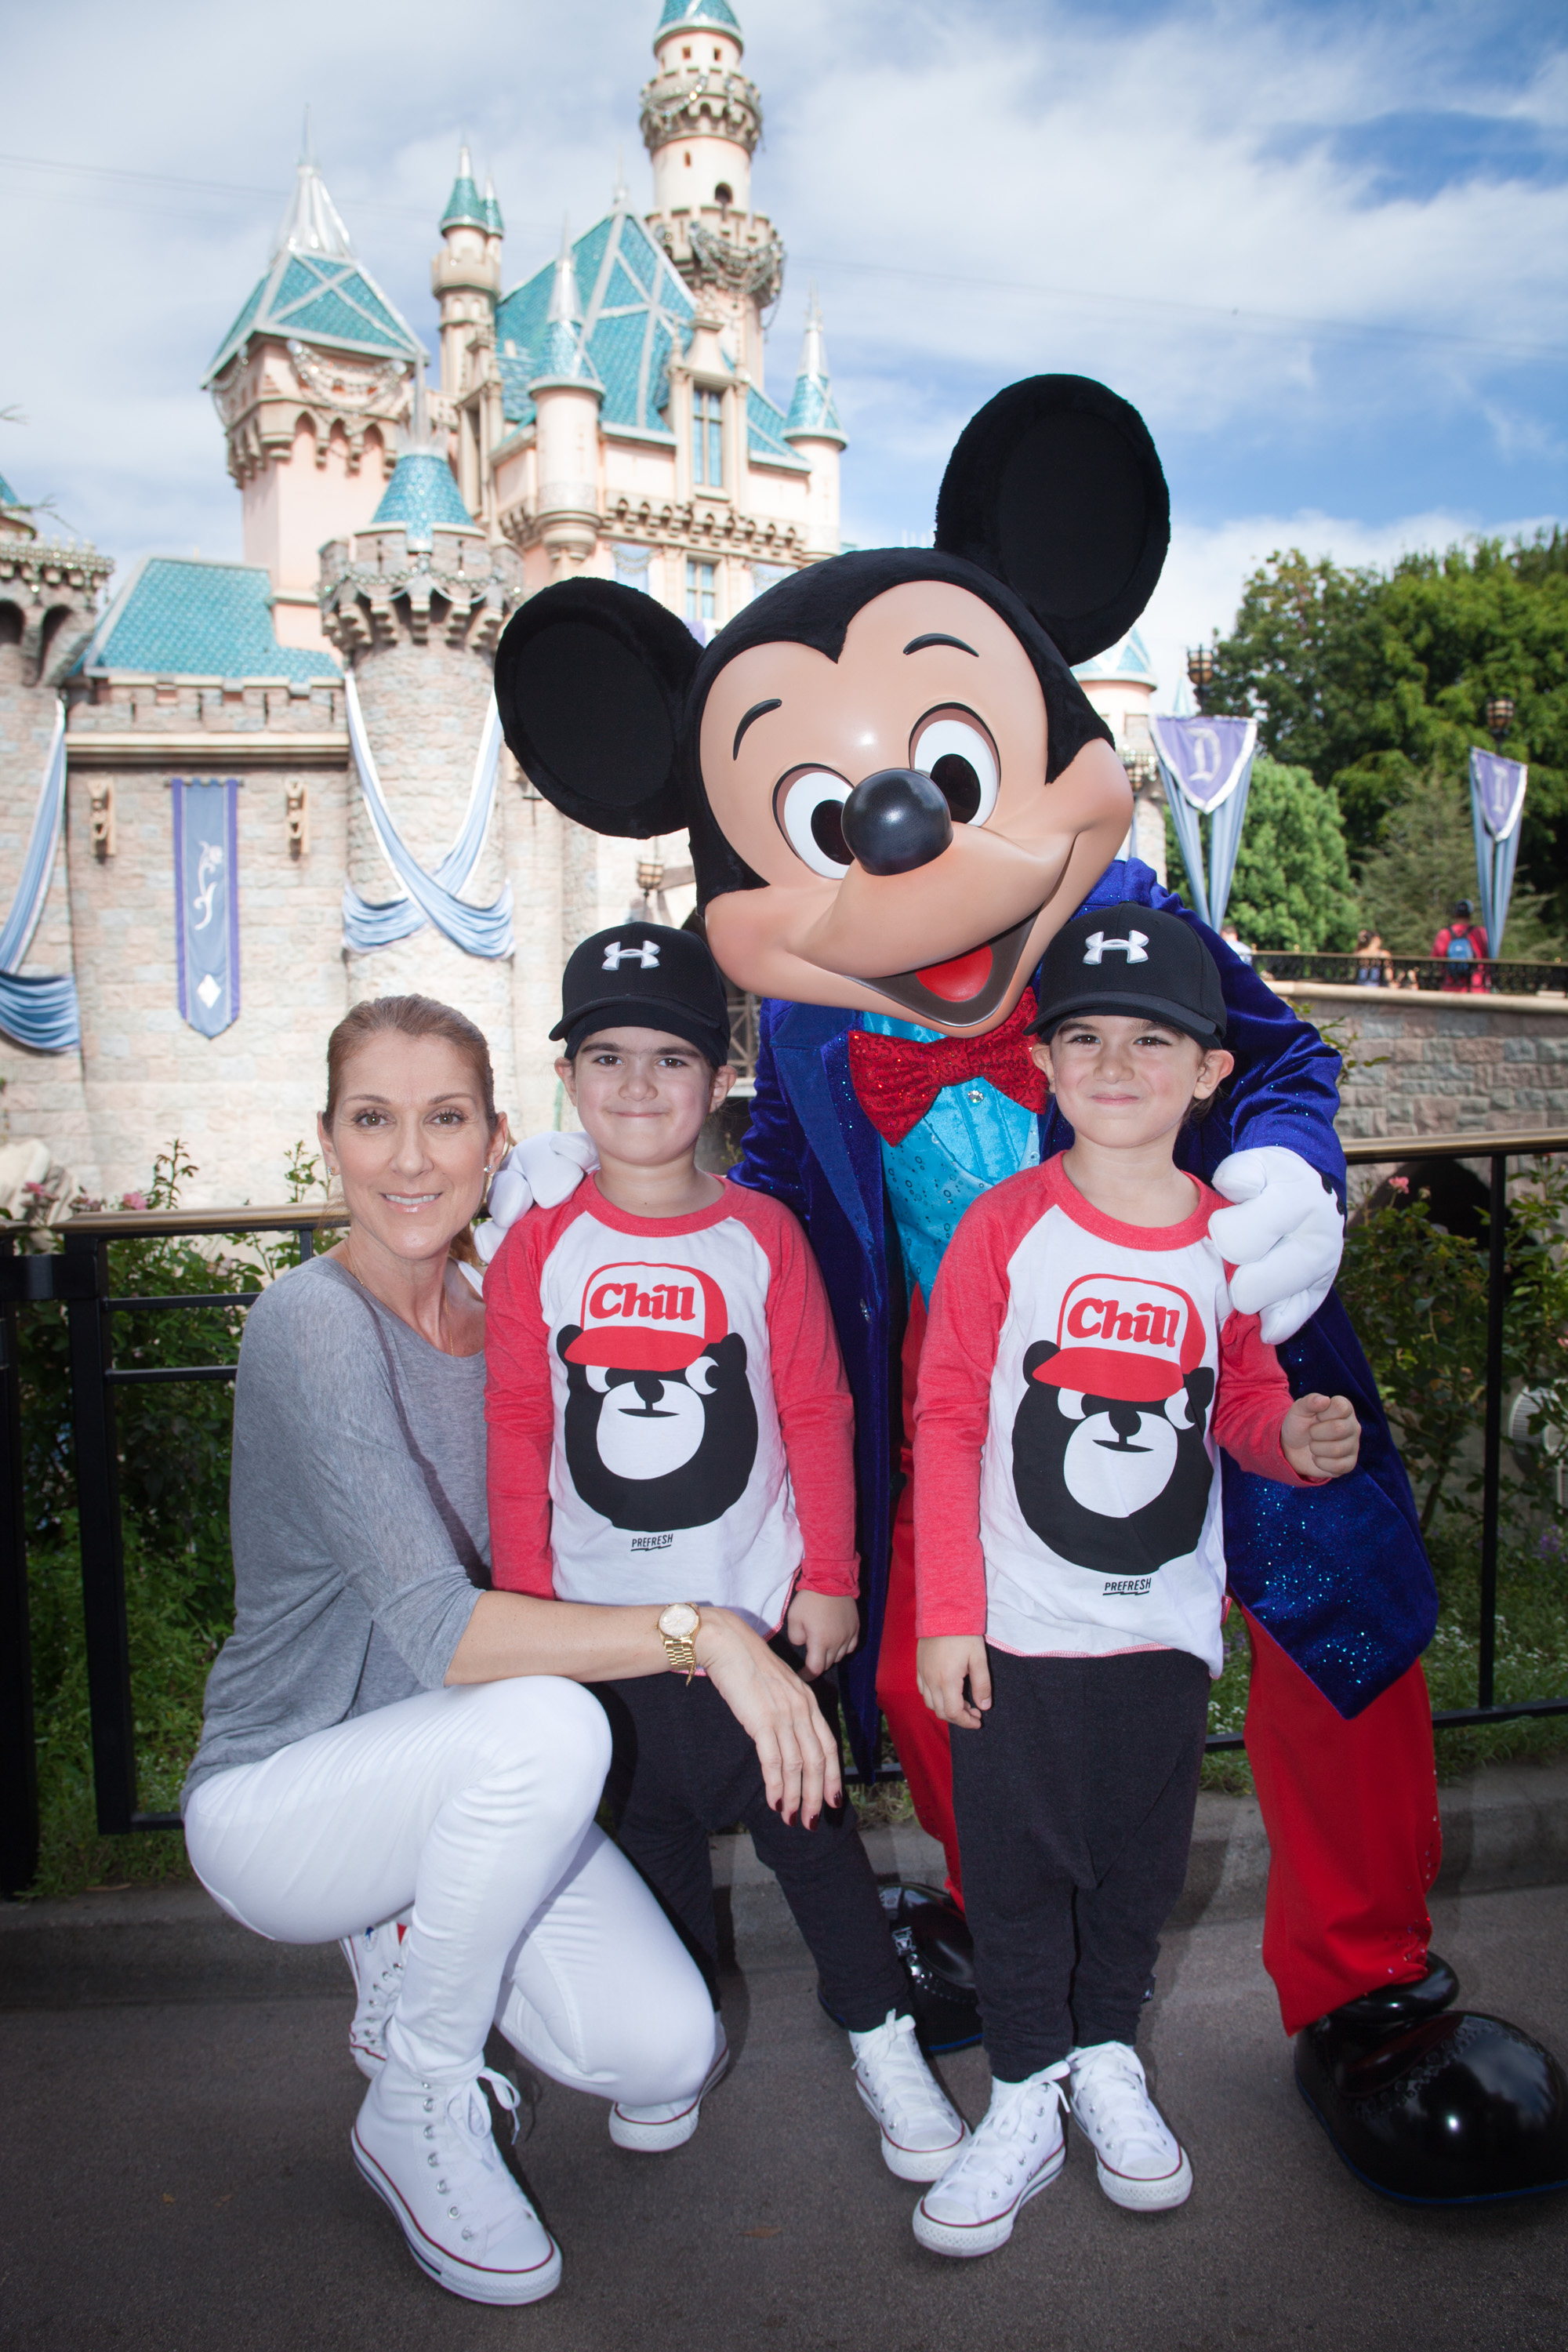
[
  {"x": 79, "y": 1275},
  {"x": 1494, "y": 977}
]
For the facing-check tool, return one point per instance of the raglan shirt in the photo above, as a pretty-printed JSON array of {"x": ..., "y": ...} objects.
[
  {"x": 1078, "y": 1379},
  {"x": 669, "y": 1415}
]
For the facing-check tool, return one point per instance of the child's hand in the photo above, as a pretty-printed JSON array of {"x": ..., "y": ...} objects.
[
  {"x": 1321, "y": 1436},
  {"x": 941, "y": 1663},
  {"x": 825, "y": 1626}
]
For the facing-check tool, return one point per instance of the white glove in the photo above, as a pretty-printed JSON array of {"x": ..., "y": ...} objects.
[
  {"x": 541, "y": 1171},
  {"x": 1285, "y": 1239}
]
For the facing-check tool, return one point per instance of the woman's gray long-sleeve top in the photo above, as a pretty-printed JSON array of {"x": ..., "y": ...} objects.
[{"x": 357, "y": 1511}]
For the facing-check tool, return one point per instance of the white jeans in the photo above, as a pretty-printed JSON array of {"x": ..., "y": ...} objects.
[{"x": 476, "y": 1805}]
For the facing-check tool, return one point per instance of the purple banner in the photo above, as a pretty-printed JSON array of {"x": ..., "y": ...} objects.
[
  {"x": 1207, "y": 756},
  {"x": 1498, "y": 789}
]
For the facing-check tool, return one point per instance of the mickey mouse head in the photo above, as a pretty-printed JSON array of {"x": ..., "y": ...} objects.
[{"x": 895, "y": 789}]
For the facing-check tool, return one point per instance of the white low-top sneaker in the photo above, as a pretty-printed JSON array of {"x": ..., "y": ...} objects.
[
  {"x": 1017, "y": 2151},
  {"x": 1141, "y": 2162},
  {"x": 376, "y": 1961},
  {"x": 650, "y": 2130},
  {"x": 921, "y": 2130},
  {"x": 427, "y": 2150}
]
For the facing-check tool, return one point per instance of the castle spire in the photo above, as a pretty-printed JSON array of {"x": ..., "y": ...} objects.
[
  {"x": 812, "y": 412},
  {"x": 494, "y": 225},
  {"x": 465, "y": 205},
  {"x": 563, "y": 357}
]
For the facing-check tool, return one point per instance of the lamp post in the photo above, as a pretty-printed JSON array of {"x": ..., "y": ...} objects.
[
  {"x": 1499, "y": 718},
  {"x": 1142, "y": 770},
  {"x": 1200, "y": 672}
]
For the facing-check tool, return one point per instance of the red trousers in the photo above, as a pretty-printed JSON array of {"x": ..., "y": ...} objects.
[{"x": 1351, "y": 1809}]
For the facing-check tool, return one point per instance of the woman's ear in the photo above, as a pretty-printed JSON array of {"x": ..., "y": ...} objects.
[
  {"x": 591, "y": 681},
  {"x": 1054, "y": 488}
]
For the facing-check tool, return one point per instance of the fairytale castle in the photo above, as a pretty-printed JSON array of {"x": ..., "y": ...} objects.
[{"x": 248, "y": 794}]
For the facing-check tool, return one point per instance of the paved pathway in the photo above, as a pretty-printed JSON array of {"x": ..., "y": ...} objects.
[{"x": 175, "y": 2176}]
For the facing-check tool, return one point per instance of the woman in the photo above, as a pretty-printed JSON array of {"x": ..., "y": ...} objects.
[{"x": 387, "y": 1740}]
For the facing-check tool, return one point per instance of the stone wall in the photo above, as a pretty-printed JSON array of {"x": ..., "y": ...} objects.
[{"x": 1438, "y": 1065}]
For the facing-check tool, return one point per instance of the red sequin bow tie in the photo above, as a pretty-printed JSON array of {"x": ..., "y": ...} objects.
[{"x": 898, "y": 1079}]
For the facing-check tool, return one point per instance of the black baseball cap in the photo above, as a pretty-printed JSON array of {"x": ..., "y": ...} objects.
[
  {"x": 645, "y": 976},
  {"x": 1132, "y": 960}
]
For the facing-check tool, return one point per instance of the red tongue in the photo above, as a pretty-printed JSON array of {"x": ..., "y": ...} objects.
[{"x": 960, "y": 978}]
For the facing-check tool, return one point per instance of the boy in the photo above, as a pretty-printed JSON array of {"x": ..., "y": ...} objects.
[
  {"x": 668, "y": 1420},
  {"x": 1082, "y": 1366}
]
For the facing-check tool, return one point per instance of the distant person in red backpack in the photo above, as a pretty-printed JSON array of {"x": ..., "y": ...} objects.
[{"x": 1463, "y": 943}]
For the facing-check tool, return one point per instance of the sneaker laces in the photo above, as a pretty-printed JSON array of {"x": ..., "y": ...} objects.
[
  {"x": 1115, "y": 2102},
  {"x": 490, "y": 2190},
  {"x": 895, "y": 2070},
  {"x": 1004, "y": 2135}
]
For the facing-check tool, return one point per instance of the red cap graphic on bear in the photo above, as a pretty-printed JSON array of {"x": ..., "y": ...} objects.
[
  {"x": 649, "y": 1319},
  {"x": 1120, "y": 1337}
]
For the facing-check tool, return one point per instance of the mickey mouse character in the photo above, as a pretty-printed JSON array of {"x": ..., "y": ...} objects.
[
  {"x": 660, "y": 1426},
  {"x": 897, "y": 794},
  {"x": 1107, "y": 1442}
]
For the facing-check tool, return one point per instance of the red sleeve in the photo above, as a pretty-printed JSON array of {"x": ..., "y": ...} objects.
[
  {"x": 1253, "y": 1399},
  {"x": 817, "y": 1416},
  {"x": 520, "y": 1407},
  {"x": 952, "y": 1409}
]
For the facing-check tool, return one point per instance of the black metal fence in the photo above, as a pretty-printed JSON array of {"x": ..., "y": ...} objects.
[
  {"x": 1495, "y": 977},
  {"x": 79, "y": 1275}
]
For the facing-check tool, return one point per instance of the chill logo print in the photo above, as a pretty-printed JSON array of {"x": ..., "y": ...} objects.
[
  {"x": 1109, "y": 1466},
  {"x": 661, "y": 1425}
]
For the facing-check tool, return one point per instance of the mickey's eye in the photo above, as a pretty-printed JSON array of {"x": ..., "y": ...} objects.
[
  {"x": 1069, "y": 1403},
  {"x": 598, "y": 1379},
  {"x": 954, "y": 750},
  {"x": 809, "y": 806},
  {"x": 701, "y": 1375}
]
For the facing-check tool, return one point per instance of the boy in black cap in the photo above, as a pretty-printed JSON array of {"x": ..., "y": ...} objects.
[
  {"x": 1082, "y": 1365},
  {"x": 668, "y": 1420}
]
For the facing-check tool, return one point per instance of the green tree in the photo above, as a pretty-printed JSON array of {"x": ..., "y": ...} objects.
[
  {"x": 1292, "y": 886},
  {"x": 1363, "y": 676}
]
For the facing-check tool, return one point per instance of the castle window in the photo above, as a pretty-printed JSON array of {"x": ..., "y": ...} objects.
[
  {"x": 724, "y": 195},
  {"x": 701, "y": 602},
  {"x": 686, "y": 54},
  {"x": 707, "y": 438}
]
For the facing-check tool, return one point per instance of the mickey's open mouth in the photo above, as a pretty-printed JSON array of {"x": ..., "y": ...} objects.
[{"x": 964, "y": 989}]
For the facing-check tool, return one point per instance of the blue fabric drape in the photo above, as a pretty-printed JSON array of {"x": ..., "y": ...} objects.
[
  {"x": 428, "y": 897},
  {"x": 1497, "y": 805},
  {"x": 40, "y": 1013},
  {"x": 1206, "y": 765},
  {"x": 206, "y": 901}
]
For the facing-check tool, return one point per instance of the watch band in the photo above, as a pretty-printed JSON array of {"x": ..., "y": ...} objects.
[{"x": 681, "y": 1648}]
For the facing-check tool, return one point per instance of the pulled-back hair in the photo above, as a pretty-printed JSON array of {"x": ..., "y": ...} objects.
[{"x": 411, "y": 1016}]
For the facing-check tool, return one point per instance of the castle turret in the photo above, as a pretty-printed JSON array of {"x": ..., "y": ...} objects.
[
  {"x": 566, "y": 394},
  {"x": 309, "y": 382},
  {"x": 416, "y": 603},
  {"x": 814, "y": 433},
  {"x": 701, "y": 119},
  {"x": 465, "y": 278}
]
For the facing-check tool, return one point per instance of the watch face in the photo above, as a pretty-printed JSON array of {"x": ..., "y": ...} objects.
[{"x": 679, "y": 1620}]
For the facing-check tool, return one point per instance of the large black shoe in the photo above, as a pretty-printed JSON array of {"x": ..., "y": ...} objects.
[
  {"x": 931, "y": 1939},
  {"x": 1433, "y": 2104}
]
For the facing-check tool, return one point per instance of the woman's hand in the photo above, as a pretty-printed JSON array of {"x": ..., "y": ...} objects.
[
  {"x": 943, "y": 1662},
  {"x": 798, "y": 1752},
  {"x": 825, "y": 1626},
  {"x": 1321, "y": 1436}
]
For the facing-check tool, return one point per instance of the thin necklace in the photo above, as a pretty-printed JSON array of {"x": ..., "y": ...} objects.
[{"x": 443, "y": 1319}]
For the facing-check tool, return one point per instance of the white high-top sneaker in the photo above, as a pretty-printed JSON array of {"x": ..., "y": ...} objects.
[
  {"x": 375, "y": 1961},
  {"x": 1017, "y": 2151},
  {"x": 1141, "y": 2162},
  {"x": 427, "y": 2150},
  {"x": 921, "y": 2130},
  {"x": 650, "y": 2130}
]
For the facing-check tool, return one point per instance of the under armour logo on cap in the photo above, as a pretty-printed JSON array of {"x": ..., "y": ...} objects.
[
  {"x": 639, "y": 951},
  {"x": 1134, "y": 947}
]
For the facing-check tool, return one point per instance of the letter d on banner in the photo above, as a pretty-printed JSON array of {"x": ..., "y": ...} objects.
[{"x": 207, "y": 902}]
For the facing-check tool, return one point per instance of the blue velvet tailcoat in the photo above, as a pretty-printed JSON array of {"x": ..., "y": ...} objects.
[{"x": 1337, "y": 1574}]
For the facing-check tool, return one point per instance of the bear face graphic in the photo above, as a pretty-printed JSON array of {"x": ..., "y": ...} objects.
[
  {"x": 1112, "y": 1484},
  {"x": 658, "y": 1450}
]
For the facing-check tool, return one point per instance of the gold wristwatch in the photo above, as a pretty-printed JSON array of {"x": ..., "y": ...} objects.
[{"x": 678, "y": 1630}]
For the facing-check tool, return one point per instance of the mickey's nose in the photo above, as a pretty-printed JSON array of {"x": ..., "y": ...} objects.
[{"x": 895, "y": 820}]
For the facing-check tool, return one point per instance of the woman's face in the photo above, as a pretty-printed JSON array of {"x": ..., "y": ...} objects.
[{"x": 410, "y": 1142}]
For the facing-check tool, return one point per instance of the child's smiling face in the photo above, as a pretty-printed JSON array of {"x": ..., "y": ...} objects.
[
  {"x": 642, "y": 1094},
  {"x": 1123, "y": 1080}
]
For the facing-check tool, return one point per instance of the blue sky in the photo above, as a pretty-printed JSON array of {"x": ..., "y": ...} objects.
[{"x": 1324, "y": 248}]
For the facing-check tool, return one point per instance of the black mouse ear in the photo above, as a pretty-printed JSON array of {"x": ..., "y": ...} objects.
[
  {"x": 1055, "y": 490},
  {"x": 590, "y": 683}
]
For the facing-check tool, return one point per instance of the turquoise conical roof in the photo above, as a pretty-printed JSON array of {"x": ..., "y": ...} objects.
[
  {"x": 699, "y": 14},
  {"x": 493, "y": 221},
  {"x": 316, "y": 288},
  {"x": 811, "y": 412},
  {"x": 465, "y": 205},
  {"x": 7, "y": 495},
  {"x": 422, "y": 495},
  {"x": 1127, "y": 658},
  {"x": 563, "y": 355}
]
